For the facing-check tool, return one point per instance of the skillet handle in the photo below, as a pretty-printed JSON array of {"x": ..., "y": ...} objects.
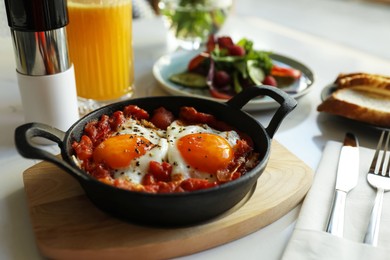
[
  {"x": 25, "y": 145},
  {"x": 287, "y": 103}
]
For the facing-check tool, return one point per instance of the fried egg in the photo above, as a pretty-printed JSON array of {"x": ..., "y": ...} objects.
[
  {"x": 130, "y": 149},
  {"x": 199, "y": 151},
  {"x": 194, "y": 151}
]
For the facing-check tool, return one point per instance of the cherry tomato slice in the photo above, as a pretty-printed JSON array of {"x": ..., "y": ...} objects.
[
  {"x": 195, "y": 62},
  {"x": 285, "y": 72},
  {"x": 270, "y": 81},
  {"x": 215, "y": 93}
]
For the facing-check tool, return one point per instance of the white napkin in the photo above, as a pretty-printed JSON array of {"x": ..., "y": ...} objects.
[{"x": 309, "y": 239}]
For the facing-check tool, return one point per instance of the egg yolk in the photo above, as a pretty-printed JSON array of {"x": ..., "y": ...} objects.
[
  {"x": 205, "y": 152},
  {"x": 118, "y": 151}
]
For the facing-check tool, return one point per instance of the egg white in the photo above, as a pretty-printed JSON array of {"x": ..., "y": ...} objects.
[
  {"x": 132, "y": 126},
  {"x": 180, "y": 169},
  {"x": 138, "y": 167}
]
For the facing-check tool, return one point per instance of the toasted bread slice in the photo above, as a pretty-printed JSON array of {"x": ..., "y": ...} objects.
[
  {"x": 364, "y": 81},
  {"x": 360, "y": 105}
]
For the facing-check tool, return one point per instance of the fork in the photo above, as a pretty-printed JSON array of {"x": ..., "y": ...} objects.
[{"x": 378, "y": 177}]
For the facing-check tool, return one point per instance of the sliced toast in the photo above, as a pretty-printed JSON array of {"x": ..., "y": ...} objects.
[{"x": 372, "y": 107}]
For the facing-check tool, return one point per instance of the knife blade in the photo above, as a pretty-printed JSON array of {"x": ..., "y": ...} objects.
[{"x": 346, "y": 180}]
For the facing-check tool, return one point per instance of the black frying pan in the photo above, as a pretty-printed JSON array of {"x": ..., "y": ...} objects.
[{"x": 175, "y": 209}]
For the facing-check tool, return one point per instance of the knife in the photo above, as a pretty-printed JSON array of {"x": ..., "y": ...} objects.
[{"x": 347, "y": 178}]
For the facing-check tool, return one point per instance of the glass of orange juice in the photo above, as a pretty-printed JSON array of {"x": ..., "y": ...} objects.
[{"x": 100, "y": 47}]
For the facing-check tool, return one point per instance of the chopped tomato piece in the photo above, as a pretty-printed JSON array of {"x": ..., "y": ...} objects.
[
  {"x": 236, "y": 175},
  {"x": 98, "y": 130},
  {"x": 167, "y": 187},
  {"x": 151, "y": 188},
  {"x": 148, "y": 179},
  {"x": 83, "y": 149},
  {"x": 100, "y": 172},
  {"x": 196, "y": 184},
  {"x": 160, "y": 171},
  {"x": 277, "y": 71}
]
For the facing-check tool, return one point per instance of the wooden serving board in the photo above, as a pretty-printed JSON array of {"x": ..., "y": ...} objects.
[{"x": 68, "y": 226}]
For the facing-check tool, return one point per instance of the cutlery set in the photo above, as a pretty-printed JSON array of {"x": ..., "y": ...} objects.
[{"x": 378, "y": 177}]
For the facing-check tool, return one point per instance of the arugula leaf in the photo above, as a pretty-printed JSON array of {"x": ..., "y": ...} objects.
[
  {"x": 262, "y": 57},
  {"x": 237, "y": 85},
  {"x": 247, "y": 44},
  {"x": 241, "y": 67}
]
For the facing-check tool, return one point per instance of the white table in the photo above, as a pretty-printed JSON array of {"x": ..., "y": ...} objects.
[{"x": 299, "y": 32}]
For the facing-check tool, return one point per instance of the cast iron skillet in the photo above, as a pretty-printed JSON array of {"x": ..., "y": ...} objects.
[{"x": 164, "y": 209}]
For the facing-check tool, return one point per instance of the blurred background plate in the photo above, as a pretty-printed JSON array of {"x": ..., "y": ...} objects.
[{"x": 177, "y": 62}]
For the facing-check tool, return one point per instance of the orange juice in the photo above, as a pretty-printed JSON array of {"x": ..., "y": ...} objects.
[{"x": 100, "y": 47}]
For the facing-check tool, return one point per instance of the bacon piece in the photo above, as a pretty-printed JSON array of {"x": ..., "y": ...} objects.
[
  {"x": 136, "y": 112},
  {"x": 116, "y": 119},
  {"x": 162, "y": 118},
  {"x": 98, "y": 130},
  {"x": 191, "y": 116}
]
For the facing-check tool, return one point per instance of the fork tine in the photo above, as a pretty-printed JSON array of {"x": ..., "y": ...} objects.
[
  {"x": 378, "y": 148},
  {"x": 387, "y": 173},
  {"x": 381, "y": 170}
]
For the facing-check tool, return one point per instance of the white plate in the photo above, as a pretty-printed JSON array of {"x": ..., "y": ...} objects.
[{"x": 177, "y": 62}]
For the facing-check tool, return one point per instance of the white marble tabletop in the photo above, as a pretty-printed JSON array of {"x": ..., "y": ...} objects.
[{"x": 328, "y": 36}]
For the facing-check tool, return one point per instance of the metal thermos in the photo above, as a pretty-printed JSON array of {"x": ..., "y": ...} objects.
[{"x": 45, "y": 75}]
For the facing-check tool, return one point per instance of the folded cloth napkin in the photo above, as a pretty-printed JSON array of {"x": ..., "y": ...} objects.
[{"x": 309, "y": 239}]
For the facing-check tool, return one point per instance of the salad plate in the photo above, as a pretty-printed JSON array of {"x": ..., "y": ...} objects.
[{"x": 177, "y": 62}]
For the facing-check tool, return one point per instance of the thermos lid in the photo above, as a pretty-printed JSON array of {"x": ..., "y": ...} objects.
[{"x": 36, "y": 15}]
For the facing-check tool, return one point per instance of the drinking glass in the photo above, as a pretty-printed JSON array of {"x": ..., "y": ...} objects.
[
  {"x": 192, "y": 21},
  {"x": 100, "y": 47}
]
